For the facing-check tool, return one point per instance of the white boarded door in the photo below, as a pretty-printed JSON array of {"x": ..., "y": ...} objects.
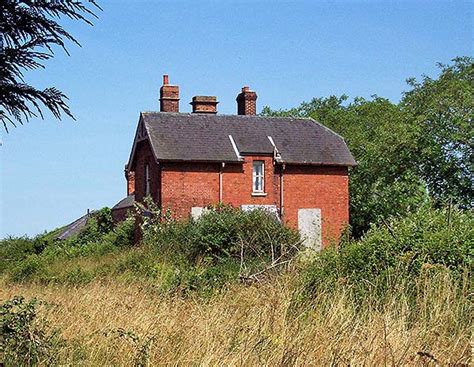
[{"x": 309, "y": 225}]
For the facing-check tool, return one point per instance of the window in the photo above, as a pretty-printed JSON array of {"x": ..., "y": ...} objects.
[
  {"x": 258, "y": 176},
  {"x": 147, "y": 180}
]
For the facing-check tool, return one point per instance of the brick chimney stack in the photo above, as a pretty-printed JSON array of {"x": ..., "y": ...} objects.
[
  {"x": 247, "y": 102},
  {"x": 169, "y": 96},
  {"x": 204, "y": 104},
  {"x": 130, "y": 177}
]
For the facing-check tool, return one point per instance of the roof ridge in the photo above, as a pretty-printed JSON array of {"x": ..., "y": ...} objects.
[{"x": 227, "y": 115}]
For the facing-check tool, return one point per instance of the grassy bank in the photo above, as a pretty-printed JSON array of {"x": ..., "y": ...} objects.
[{"x": 186, "y": 296}]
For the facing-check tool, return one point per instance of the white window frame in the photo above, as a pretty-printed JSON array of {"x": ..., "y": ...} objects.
[
  {"x": 147, "y": 180},
  {"x": 255, "y": 177}
]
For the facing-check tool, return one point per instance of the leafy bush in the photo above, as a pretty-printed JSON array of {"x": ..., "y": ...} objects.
[
  {"x": 99, "y": 224},
  {"x": 221, "y": 232},
  {"x": 96, "y": 240},
  {"x": 14, "y": 249},
  {"x": 25, "y": 339},
  {"x": 395, "y": 254},
  {"x": 24, "y": 269}
]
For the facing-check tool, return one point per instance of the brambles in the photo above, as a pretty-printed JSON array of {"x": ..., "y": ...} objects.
[{"x": 26, "y": 339}]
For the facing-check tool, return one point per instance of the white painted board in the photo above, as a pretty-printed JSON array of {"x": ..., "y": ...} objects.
[
  {"x": 270, "y": 208},
  {"x": 309, "y": 225},
  {"x": 197, "y": 211}
]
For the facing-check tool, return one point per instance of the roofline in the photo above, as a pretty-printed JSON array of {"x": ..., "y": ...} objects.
[
  {"x": 270, "y": 154},
  {"x": 318, "y": 164},
  {"x": 147, "y": 137},
  {"x": 239, "y": 154},
  {"x": 241, "y": 162},
  {"x": 198, "y": 161}
]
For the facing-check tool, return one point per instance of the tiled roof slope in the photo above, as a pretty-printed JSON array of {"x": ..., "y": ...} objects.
[
  {"x": 126, "y": 202},
  {"x": 205, "y": 137}
]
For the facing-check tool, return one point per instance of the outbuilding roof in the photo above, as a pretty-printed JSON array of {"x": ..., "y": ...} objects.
[
  {"x": 226, "y": 138},
  {"x": 126, "y": 202}
]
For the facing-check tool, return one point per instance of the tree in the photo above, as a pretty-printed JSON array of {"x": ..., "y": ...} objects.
[
  {"x": 407, "y": 153},
  {"x": 442, "y": 110},
  {"x": 29, "y": 30},
  {"x": 384, "y": 183}
]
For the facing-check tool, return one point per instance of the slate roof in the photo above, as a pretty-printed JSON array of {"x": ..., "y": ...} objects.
[
  {"x": 126, "y": 202},
  {"x": 73, "y": 228},
  {"x": 205, "y": 137}
]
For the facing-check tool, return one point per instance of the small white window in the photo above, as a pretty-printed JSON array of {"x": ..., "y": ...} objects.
[
  {"x": 258, "y": 176},
  {"x": 147, "y": 180}
]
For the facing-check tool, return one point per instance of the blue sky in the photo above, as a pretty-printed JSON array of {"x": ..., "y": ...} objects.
[{"x": 289, "y": 52}]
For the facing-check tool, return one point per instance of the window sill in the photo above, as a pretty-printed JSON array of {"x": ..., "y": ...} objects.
[{"x": 259, "y": 194}]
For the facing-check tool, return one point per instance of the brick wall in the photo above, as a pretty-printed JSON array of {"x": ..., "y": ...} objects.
[
  {"x": 185, "y": 185},
  {"x": 326, "y": 188},
  {"x": 237, "y": 183},
  {"x": 189, "y": 184},
  {"x": 119, "y": 215},
  {"x": 145, "y": 156}
]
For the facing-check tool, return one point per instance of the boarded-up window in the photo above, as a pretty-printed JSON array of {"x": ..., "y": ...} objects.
[
  {"x": 198, "y": 211},
  {"x": 309, "y": 225}
]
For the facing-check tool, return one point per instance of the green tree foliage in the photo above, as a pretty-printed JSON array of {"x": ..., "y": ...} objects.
[
  {"x": 28, "y": 31},
  {"x": 442, "y": 111},
  {"x": 406, "y": 152}
]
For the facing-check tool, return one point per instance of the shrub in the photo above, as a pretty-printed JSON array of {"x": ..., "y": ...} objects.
[
  {"x": 396, "y": 253},
  {"x": 28, "y": 264},
  {"x": 14, "y": 249},
  {"x": 25, "y": 339},
  {"x": 99, "y": 224},
  {"x": 222, "y": 232},
  {"x": 28, "y": 267}
]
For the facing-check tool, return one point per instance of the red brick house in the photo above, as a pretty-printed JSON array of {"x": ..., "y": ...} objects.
[{"x": 294, "y": 167}]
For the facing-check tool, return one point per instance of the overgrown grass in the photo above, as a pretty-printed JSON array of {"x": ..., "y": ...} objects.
[
  {"x": 398, "y": 296},
  {"x": 127, "y": 324}
]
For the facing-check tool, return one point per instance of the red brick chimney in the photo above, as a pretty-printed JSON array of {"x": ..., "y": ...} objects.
[
  {"x": 169, "y": 96},
  {"x": 130, "y": 177},
  {"x": 247, "y": 102},
  {"x": 204, "y": 104}
]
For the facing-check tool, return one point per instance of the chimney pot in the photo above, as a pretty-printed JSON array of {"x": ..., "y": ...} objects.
[{"x": 165, "y": 79}]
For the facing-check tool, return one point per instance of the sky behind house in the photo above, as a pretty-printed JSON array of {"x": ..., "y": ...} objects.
[{"x": 289, "y": 52}]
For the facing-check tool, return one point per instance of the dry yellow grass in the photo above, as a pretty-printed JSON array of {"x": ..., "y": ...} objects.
[{"x": 247, "y": 326}]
